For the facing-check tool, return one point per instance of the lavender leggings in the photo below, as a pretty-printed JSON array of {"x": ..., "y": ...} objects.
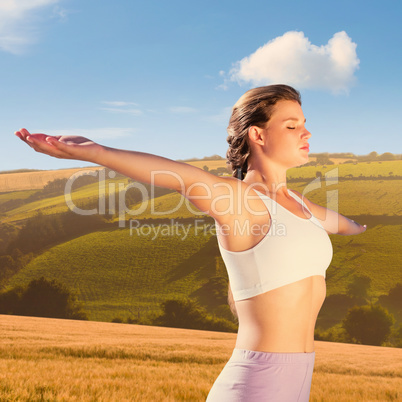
[{"x": 259, "y": 376}]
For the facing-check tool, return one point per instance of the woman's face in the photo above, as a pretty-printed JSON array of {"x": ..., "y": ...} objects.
[{"x": 286, "y": 135}]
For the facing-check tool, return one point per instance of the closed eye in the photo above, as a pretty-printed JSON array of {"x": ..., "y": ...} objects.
[{"x": 291, "y": 128}]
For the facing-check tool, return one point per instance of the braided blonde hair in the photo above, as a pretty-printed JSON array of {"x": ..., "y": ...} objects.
[{"x": 254, "y": 108}]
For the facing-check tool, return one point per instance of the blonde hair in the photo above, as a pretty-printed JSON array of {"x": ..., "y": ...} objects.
[{"x": 254, "y": 108}]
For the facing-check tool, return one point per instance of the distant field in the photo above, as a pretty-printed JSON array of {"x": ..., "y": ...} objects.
[
  {"x": 215, "y": 164},
  {"x": 356, "y": 197},
  {"x": 222, "y": 163},
  {"x": 35, "y": 180},
  {"x": 375, "y": 169},
  {"x": 48, "y": 359}
]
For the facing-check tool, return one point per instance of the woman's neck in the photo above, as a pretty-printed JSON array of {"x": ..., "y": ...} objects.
[{"x": 272, "y": 178}]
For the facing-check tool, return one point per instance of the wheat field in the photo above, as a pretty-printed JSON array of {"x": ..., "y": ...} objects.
[
  {"x": 36, "y": 180},
  {"x": 63, "y": 360}
]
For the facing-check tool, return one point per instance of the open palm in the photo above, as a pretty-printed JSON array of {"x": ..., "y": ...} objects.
[{"x": 60, "y": 146}]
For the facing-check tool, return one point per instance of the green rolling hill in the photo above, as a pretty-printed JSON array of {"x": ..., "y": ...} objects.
[{"x": 118, "y": 273}]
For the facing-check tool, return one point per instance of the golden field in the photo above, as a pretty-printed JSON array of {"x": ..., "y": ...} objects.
[
  {"x": 215, "y": 164},
  {"x": 36, "y": 180},
  {"x": 63, "y": 360}
]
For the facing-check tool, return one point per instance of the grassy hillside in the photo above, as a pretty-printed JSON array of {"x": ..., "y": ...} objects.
[
  {"x": 48, "y": 359},
  {"x": 116, "y": 273},
  {"x": 57, "y": 204},
  {"x": 375, "y": 253},
  {"x": 15, "y": 195}
]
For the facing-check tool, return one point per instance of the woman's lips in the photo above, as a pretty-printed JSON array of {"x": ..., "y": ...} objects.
[{"x": 306, "y": 147}]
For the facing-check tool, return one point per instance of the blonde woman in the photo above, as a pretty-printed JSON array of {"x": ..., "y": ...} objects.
[{"x": 274, "y": 242}]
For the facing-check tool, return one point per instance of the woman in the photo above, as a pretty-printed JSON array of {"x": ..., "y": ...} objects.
[{"x": 274, "y": 242}]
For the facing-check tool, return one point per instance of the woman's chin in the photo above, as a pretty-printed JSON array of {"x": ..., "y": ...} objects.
[{"x": 301, "y": 162}]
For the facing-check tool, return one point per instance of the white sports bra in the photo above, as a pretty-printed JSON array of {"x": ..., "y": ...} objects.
[{"x": 293, "y": 249}]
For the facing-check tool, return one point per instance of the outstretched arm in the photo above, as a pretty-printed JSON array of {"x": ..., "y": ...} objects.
[
  {"x": 198, "y": 186},
  {"x": 331, "y": 221},
  {"x": 335, "y": 223},
  {"x": 136, "y": 165}
]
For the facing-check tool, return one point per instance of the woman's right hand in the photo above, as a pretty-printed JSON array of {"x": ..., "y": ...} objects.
[{"x": 61, "y": 146}]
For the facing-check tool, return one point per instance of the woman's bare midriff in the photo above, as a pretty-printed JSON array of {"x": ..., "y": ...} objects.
[{"x": 281, "y": 320}]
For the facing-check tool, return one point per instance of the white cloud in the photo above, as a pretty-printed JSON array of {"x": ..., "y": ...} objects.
[
  {"x": 95, "y": 133},
  {"x": 19, "y": 23},
  {"x": 122, "y": 107},
  {"x": 134, "y": 112},
  {"x": 182, "y": 109},
  {"x": 292, "y": 59},
  {"x": 119, "y": 103},
  {"x": 61, "y": 13}
]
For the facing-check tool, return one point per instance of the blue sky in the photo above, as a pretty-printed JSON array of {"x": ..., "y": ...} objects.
[{"x": 161, "y": 76}]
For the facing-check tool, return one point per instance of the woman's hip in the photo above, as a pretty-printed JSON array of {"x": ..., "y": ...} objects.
[{"x": 261, "y": 376}]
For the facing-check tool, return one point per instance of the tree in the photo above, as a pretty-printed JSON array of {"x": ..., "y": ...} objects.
[
  {"x": 182, "y": 313},
  {"x": 214, "y": 292},
  {"x": 393, "y": 301},
  {"x": 397, "y": 337},
  {"x": 395, "y": 296},
  {"x": 323, "y": 159},
  {"x": 9, "y": 301},
  {"x": 7, "y": 264},
  {"x": 42, "y": 298},
  {"x": 187, "y": 313},
  {"x": 358, "y": 288},
  {"x": 369, "y": 325},
  {"x": 386, "y": 156},
  {"x": 7, "y": 234}
]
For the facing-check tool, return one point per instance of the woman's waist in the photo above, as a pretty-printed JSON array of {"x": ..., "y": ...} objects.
[
  {"x": 297, "y": 303},
  {"x": 291, "y": 338},
  {"x": 284, "y": 329}
]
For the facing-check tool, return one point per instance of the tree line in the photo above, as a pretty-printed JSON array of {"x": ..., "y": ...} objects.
[
  {"x": 42, "y": 298},
  {"x": 324, "y": 157},
  {"x": 51, "y": 299}
]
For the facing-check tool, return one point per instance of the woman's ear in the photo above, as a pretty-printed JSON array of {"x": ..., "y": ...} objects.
[{"x": 256, "y": 135}]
